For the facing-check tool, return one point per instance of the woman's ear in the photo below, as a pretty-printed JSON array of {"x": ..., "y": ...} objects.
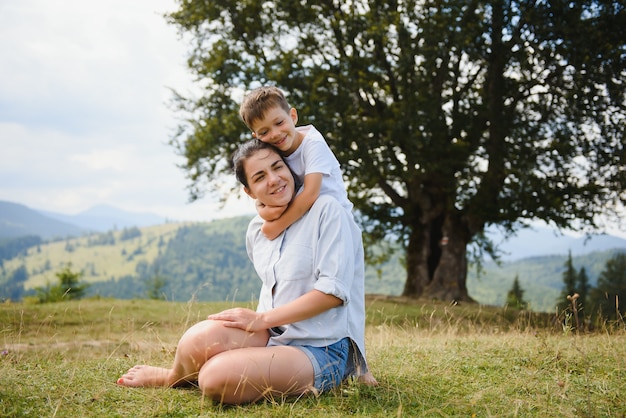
[{"x": 249, "y": 192}]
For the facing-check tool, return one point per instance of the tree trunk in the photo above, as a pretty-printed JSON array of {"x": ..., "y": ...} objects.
[
  {"x": 437, "y": 261},
  {"x": 417, "y": 256}
]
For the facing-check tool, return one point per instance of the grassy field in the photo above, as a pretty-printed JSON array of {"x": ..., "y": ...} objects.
[{"x": 62, "y": 360}]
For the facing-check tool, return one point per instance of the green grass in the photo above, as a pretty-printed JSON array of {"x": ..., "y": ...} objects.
[{"x": 431, "y": 359}]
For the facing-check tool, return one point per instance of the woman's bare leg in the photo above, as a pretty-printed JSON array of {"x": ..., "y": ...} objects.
[
  {"x": 198, "y": 344},
  {"x": 250, "y": 374}
]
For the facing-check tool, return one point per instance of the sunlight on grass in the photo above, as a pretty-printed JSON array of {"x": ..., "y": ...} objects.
[{"x": 430, "y": 359}]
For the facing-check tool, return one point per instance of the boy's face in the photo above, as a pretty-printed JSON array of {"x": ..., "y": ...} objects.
[{"x": 278, "y": 128}]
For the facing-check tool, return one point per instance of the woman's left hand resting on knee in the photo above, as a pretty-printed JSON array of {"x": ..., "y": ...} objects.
[{"x": 306, "y": 306}]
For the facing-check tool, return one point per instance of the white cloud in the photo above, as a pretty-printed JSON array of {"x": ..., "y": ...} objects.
[
  {"x": 83, "y": 116},
  {"x": 104, "y": 159}
]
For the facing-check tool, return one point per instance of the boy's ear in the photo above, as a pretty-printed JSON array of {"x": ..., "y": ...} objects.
[{"x": 294, "y": 115}]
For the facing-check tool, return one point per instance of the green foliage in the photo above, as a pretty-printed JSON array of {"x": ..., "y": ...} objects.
[
  {"x": 445, "y": 116},
  {"x": 609, "y": 296},
  {"x": 12, "y": 247},
  {"x": 155, "y": 286},
  {"x": 207, "y": 261},
  {"x": 570, "y": 285},
  {"x": 576, "y": 285},
  {"x": 515, "y": 297},
  {"x": 583, "y": 287},
  {"x": 107, "y": 238},
  {"x": 130, "y": 233},
  {"x": 540, "y": 277},
  {"x": 13, "y": 288},
  {"x": 203, "y": 261},
  {"x": 68, "y": 288}
]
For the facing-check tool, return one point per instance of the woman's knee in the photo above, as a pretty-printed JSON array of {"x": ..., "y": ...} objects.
[
  {"x": 213, "y": 337},
  {"x": 199, "y": 339}
]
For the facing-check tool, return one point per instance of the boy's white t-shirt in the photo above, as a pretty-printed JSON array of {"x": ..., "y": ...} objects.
[{"x": 314, "y": 156}]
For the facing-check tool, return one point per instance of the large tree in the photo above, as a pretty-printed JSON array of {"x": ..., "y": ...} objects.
[{"x": 447, "y": 116}]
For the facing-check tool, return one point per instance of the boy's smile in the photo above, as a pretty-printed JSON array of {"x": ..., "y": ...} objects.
[{"x": 278, "y": 128}]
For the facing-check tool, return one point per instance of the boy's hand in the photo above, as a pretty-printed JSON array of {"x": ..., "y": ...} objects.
[
  {"x": 271, "y": 230},
  {"x": 269, "y": 213}
]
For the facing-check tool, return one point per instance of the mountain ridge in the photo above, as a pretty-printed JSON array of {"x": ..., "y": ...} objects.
[
  {"x": 103, "y": 218},
  {"x": 19, "y": 220},
  {"x": 208, "y": 261},
  {"x": 543, "y": 241}
]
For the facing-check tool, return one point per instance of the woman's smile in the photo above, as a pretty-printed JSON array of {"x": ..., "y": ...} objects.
[{"x": 279, "y": 190}]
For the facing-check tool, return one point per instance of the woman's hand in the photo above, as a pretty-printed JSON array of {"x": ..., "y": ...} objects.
[
  {"x": 245, "y": 319},
  {"x": 306, "y": 306}
]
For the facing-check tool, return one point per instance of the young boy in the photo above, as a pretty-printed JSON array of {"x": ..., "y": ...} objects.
[{"x": 266, "y": 112}]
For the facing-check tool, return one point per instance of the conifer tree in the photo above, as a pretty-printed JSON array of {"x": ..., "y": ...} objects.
[
  {"x": 515, "y": 297},
  {"x": 582, "y": 287},
  {"x": 68, "y": 288},
  {"x": 570, "y": 278},
  {"x": 609, "y": 297}
]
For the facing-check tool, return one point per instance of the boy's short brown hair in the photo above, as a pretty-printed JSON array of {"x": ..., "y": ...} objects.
[{"x": 259, "y": 101}]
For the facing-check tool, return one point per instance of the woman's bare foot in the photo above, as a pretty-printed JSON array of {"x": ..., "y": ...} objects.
[
  {"x": 368, "y": 379},
  {"x": 145, "y": 376}
]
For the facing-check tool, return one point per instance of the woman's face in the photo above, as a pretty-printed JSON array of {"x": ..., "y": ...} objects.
[{"x": 269, "y": 178}]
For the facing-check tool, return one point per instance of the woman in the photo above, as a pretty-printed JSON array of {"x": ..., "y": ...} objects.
[{"x": 307, "y": 334}]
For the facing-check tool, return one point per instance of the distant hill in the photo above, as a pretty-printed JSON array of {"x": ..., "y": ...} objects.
[
  {"x": 540, "y": 277},
  {"x": 104, "y": 218},
  {"x": 208, "y": 262},
  {"x": 543, "y": 241},
  {"x": 18, "y": 220}
]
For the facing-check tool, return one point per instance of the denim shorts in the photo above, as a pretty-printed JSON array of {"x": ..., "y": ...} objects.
[{"x": 329, "y": 363}]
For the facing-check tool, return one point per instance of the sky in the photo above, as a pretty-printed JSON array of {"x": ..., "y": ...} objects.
[{"x": 84, "y": 114}]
